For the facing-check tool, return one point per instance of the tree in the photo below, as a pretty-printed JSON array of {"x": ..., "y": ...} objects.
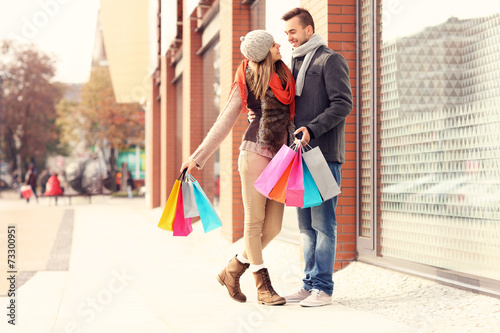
[
  {"x": 27, "y": 104},
  {"x": 106, "y": 123}
]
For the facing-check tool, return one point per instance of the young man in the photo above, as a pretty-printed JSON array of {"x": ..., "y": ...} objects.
[{"x": 323, "y": 101}]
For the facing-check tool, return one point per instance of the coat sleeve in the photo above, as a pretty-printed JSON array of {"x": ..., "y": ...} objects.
[
  {"x": 220, "y": 129},
  {"x": 338, "y": 89}
]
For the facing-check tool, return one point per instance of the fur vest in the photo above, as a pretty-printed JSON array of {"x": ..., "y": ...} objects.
[{"x": 275, "y": 126}]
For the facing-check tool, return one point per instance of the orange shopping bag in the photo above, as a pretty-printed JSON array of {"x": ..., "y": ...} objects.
[
  {"x": 278, "y": 193},
  {"x": 168, "y": 215}
]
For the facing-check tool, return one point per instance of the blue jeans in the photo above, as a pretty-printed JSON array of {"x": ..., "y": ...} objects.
[{"x": 318, "y": 229}]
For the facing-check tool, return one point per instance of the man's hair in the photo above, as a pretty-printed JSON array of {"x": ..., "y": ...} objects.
[{"x": 304, "y": 16}]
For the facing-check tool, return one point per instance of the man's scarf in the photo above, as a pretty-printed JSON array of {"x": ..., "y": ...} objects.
[{"x": 307, "y": 49}]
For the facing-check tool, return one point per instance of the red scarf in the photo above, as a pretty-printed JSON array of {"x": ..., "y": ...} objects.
[{"x": 284, "y": 95}]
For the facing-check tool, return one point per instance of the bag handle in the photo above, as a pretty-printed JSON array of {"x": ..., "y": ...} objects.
[
  {"x": 182, "y": 176},
  {"x": 190, "y": 177},
  {"x": 308, "y": 146}
]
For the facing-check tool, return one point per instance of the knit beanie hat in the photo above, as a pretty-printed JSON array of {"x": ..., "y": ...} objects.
[{"x": 256, "y": 44}]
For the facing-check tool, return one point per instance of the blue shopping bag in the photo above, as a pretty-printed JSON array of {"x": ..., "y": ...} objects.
[
  {"x": 208, "y": 216},
  {"x": 312, "y": 197}
]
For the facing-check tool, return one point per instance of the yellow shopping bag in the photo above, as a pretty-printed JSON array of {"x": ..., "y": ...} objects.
[{"x": 168, "y": 216}]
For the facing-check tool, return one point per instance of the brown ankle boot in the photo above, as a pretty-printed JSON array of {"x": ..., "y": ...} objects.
[
  {"x": 265, "y": 292},
  {"x": 230, "y": 277}
]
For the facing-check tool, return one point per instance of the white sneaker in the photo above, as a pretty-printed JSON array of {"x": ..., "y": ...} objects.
[
  {"x": 317, "y": 298},
  {"x": 298, "y": 296}
]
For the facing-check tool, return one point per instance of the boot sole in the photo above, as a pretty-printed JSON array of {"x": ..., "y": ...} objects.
[
  {"x": 274, "y": 303},
  {"x": 224, "y": 285}
]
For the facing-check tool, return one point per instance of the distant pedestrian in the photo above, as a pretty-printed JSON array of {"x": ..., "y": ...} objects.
[
  {"x": 118, "y": 181},
  {"x": 54, "y": 186},
  {"x": 30, "y": 179},
  {"x": 44, "y": 177},
  {"x": 130, "y": 185}
]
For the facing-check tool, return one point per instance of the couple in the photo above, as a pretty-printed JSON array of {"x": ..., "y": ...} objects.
[{"x": 311, "y": 100}]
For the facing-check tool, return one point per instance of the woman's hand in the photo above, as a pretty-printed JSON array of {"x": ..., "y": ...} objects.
[
  {"x": 305, "y": 136},
  {"x": 189, "y": 165}
]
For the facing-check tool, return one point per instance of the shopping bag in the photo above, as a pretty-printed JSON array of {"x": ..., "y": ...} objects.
[
  {"x": 168, "y": 215},
  {"x": 278, "y": 193},
  {"x": 295, "y": 185},
  {"x": 26, "y": 191},
  {"x": 274, "y": 170},
  {"x": 182, "y": 225},
  {"x": 208, "y": 216},
  {"x": 311, "y": 193},
  {"x": 189, "y": 200},
  {"x": 321, "y": 173}
]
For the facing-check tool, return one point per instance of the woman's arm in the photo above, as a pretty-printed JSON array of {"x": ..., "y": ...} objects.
[{"x": 221, "y": 128}]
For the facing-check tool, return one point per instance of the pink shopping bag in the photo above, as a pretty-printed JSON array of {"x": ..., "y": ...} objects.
[
  {"x": 182, "y": 225},
  {"x": 295, "y": 185},
  {"x": 274, "y": 170}
]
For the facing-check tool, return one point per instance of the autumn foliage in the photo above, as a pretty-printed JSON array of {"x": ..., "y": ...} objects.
[
  {"x": 99, "y": 120},
  {"x": 106, "y": 122},
  {"x": 27, "y": 104}
]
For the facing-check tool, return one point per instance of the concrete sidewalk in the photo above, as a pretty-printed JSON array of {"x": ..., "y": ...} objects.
[{"x": 107, "y": 267}]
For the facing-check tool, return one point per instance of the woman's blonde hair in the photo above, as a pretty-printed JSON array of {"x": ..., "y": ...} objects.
[{"x": 263, "y": 72}]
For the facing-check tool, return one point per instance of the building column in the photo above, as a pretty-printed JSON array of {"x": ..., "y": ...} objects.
[
  {"x": 153, "y": 146},
  {"x": 335, "y": 20},
  {"x": 169, "y": 144},
  {"x": 235, "y": 23},
  {"x": 192, "y": 91}
]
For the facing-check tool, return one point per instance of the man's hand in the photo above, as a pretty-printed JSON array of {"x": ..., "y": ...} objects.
[
  {"x": 305, "y": 136},
  {"x": 250, "y": 116}
]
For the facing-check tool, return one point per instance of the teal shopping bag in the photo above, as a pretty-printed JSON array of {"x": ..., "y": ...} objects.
[
  {"x": 208, "y": 216},
  {"x": 312, "y": 197}
]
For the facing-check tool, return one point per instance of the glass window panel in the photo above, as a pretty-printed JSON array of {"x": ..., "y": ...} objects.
[
  {"x": 365, "y": 227},
  {"x": 440, "y": 134}
]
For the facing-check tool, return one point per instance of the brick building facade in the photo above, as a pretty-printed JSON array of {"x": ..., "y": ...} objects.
[{"x": 182, "y": 112}]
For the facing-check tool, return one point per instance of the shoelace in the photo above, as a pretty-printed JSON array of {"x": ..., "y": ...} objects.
[
  {"x": 237, "y": 283},
  {"x": 267, "y": 282},
  {"x": 316, "y": 292}
]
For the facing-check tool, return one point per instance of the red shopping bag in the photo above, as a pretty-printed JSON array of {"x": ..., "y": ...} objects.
[
  {"x": 295, "y": 185},
  {"x": 274, "y": 170},
  {"x": 182, "y": 225},
  {"x": 26, "y": 191}
]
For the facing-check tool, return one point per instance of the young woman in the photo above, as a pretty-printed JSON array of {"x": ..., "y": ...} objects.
[{"x": 264, "y": 85}]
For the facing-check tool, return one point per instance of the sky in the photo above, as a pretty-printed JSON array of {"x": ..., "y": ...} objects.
[{"x": 64, "y": 29}]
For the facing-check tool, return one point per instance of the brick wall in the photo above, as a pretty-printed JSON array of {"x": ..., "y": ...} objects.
[{"x": 335, "y": 20}]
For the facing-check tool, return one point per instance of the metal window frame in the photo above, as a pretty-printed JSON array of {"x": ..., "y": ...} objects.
[{"x": 366, "y": 246}]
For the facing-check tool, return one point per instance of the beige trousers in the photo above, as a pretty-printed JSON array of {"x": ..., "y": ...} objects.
[{"x": 263, "y": 216}]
